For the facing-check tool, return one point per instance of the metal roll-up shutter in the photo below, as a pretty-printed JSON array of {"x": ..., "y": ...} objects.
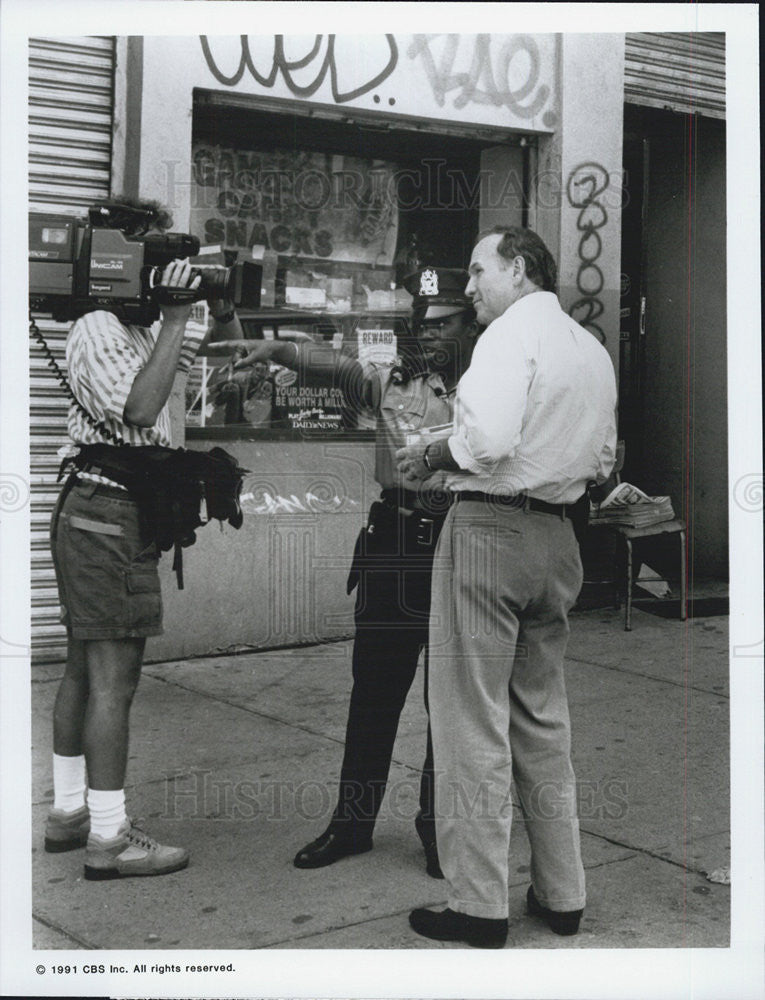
[
  {"x": 71, "y": 88},
  {"x": 682, "y": 71}
]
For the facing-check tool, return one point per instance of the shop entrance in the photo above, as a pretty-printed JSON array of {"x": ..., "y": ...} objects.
[
  {"x": 632, "y": 304},
  {"x": 673, "y": 341}
]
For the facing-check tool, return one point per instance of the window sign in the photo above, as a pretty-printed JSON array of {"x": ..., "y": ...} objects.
[
  {"x": 299, "y": 204},
  {"x": 307, "y": 407},
  {"x": 376, "y": 343}
]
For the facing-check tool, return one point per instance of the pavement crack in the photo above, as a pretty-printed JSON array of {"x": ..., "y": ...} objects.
[
  {"x": 246, "y": 650},
  {"x": 646, "y": 676},
  {"x": 245, "y": 708},
  {"x": 642, "y": 851},
  {"x": 66, "y": 934}
]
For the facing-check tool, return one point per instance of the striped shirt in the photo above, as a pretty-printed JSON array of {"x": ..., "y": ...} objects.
[{"x": 103, "y": 357}]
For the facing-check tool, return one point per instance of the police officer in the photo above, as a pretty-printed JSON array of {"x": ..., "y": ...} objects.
[{"x": 393, "y": 557}]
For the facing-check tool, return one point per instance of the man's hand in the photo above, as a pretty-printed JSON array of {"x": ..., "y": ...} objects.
[
  {"x": 177, "y": 274},
  {"x": 411, "y": 463},
  {"x": 152, "y": 385}
]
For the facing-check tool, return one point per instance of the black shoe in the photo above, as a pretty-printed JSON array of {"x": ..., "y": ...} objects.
[
  {"x": 480, "y": 932},
  {"x": 561, "y": 921},
  {"x": 329, "y": 848},
  {"x": 426, "y": 833}
]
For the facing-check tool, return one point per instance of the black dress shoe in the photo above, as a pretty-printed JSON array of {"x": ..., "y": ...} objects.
[
  {"x": 428, "y": 841},
  {"x": 329, "y": 848},
  {"x": 480, "y": 932},
  {"x": 561, "y": 921}
]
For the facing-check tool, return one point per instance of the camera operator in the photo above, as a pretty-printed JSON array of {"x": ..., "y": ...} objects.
[{"x": 105, "y": 558}]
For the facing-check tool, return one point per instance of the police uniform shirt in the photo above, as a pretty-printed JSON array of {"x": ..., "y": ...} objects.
[{"x": 400, "y": 409}]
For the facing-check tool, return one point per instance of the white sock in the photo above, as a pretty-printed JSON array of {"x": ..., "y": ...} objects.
[
  {"x": 107, "y": 811},
  {"x": 68, "y": 782}
]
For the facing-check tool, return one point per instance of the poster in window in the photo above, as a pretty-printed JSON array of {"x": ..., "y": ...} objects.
[
  {"x": 296, "y": 203},
  {"x": 307, "y": 407}
]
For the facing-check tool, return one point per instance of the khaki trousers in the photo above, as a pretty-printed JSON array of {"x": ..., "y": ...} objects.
[{"x": 504, "y": 580}]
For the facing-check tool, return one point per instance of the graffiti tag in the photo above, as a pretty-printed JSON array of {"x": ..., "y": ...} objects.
[
  {"x": 487, "y": 81},
  {"x": 585, "y": 183},
  {"x": 282, "y": 65}
]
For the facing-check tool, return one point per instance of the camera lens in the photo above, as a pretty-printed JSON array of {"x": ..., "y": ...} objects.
[
  {"x": 215, "y": 282},
  {"x": 239, "y": 284}
]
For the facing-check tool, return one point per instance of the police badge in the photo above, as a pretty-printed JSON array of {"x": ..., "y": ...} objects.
[{"x": 429, "y": 282}]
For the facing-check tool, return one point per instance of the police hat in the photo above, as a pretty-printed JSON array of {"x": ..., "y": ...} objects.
[{"x": 438, "y": 291}]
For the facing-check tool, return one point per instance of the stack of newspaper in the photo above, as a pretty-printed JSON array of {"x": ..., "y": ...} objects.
[{"x": 628, "y": 506}]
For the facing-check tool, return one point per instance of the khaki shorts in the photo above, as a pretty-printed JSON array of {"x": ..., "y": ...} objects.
[{"x": 106, "y": 568}]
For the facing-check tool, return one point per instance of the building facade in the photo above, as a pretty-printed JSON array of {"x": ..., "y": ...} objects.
[{"x": 340, "y": 165}]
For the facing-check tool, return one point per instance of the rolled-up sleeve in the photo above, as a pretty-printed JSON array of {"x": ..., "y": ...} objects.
[
  {"x": 490, "y": 404},
  {"x": 192, "y": 340}
]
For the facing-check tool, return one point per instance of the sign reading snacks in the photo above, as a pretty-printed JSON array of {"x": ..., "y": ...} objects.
[{"x": 297, "y": 203}]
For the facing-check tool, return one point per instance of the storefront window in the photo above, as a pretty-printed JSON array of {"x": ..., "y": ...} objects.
[
  {"x": 336, "y": 216},
  {"x": 225, "y": 401}
]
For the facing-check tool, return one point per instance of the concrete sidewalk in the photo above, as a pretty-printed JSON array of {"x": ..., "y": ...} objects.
[{"x": 237, "y": 759}]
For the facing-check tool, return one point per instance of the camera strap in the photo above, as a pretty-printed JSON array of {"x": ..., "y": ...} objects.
[{"x": 99, "y": 425}]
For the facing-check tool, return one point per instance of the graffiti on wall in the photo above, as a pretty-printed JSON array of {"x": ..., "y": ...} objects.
[
  {"x": 487, "y": 81},
  {"x": 585, "y": 184},
  {"x": 321, "y": 58},
  {"x": 509, "y": 79}
]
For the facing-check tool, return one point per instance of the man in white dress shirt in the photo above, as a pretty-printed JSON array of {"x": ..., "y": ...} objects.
[{"x": 534, "y": 423}]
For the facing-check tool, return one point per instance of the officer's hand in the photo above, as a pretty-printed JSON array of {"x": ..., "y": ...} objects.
[
  {"x": 178, "y": 274},
  {"x": 411, "y": 464},
  {"x": 262, "y": 351}
]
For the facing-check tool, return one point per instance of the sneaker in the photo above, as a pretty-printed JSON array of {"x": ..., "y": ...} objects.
[
  {"x": 131, "y": 852},
  {"x": 66, "y": 831}
]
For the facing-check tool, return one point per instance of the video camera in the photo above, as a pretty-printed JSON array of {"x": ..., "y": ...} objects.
[{"x": 110, "y": 262}]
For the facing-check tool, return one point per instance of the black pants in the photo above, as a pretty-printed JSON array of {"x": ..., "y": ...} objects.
[{"x": 392, "y": 569}]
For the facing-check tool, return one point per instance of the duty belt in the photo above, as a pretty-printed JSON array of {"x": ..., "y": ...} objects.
[{"x": 423, "y": 521}]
